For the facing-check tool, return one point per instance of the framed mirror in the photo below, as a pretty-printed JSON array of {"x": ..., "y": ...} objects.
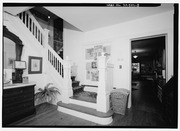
[{"x": 12, "y": 50}]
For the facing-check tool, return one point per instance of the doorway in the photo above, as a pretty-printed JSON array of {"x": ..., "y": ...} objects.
[{"x": 148, "y": 57}]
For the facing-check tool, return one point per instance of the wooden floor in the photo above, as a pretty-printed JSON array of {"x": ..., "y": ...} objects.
[{"x": 144, "y": 113}]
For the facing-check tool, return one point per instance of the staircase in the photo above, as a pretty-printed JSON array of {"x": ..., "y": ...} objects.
[
  {"x": 96, "y": 108},
  {"x": 83, "y": 105}
]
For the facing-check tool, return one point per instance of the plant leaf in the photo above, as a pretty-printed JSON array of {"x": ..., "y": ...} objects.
[
  {"x": 46, "y": 87},
  {"x": 40, "y": 89}
]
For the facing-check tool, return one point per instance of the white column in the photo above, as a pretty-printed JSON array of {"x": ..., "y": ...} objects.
[
  {"x": 103, "y": 94},
  {"x": 67, "y": 89},
  {"x": 45, "y": 55},
  {"x": 45, "y": 37}
]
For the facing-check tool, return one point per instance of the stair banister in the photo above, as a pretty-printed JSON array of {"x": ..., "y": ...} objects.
[{"x": 60, "y": 68}]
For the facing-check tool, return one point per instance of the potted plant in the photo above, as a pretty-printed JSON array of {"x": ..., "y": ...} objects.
[{"x": 48, "y": 94}]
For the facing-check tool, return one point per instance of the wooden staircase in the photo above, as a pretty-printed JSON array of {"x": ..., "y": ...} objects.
[
  {"x": 59, "y": 70},
  {"x": 83, "y": 105}
]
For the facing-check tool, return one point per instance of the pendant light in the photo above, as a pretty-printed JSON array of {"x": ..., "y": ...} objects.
[{"x": 135, "y": 55}]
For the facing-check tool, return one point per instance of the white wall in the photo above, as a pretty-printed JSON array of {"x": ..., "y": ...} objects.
[
  {"x": 73, "y": 47},
  {"x": 119, "y": 37}
]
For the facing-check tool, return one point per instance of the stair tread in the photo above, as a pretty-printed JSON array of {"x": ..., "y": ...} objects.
[
  {"x": 91, "y": 86},
  {"x": 75, "y": 81},
  {"x": 77, "y": 87},
  {"x": 86, "y": 110},
  {"x": 81, "y": 98}
]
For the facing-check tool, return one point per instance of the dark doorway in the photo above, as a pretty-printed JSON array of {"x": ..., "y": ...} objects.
[
  {"x": 149, "y": 64},
  {"x": 149, "y": 58}
]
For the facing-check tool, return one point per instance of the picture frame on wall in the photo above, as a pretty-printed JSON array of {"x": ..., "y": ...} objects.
[
  {"x": 94, "y": 65},
  {"x": 35, "y": 65}
]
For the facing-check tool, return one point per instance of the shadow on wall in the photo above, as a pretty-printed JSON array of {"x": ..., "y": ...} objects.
[{"x": 71, "y": 27}]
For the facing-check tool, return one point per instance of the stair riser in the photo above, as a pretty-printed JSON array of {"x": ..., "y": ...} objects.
[
  {"x": 95, "y": 119},
  {"x": 83, "y": 103},
  {"x": 91, "y": 89}
]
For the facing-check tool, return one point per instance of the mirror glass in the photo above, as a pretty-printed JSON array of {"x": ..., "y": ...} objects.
[{"x": 9, "y": 53}]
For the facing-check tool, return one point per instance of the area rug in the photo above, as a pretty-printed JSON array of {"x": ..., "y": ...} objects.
[{"x": 86, "y": 94}]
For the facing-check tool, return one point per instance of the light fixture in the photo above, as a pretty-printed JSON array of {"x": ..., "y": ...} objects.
[{"x": 135, "y": 56}]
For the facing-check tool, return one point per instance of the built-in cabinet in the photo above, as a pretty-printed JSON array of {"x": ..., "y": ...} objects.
[{"x": 18, "y": 102}]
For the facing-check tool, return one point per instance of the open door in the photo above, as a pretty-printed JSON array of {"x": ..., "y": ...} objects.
[{"x": 149, "y": 62}]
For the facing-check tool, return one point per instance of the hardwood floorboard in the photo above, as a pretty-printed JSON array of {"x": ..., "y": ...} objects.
[{"x": 145, "y": 112}]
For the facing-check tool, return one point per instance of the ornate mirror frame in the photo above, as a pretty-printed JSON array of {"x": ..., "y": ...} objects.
[{"x": 14, "y": 38}]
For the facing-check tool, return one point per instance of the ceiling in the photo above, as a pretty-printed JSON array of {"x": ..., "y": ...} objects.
[{"x": 92, "y": 17}]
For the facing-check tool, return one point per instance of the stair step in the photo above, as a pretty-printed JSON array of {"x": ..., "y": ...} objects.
[
  {"x": 77, "y": 87},
  {"x": 91, "y": 88},
  {"x": 86, "y": 99},
  {"x": 86, "y": 113},
  {"x": 83, "y": 102},
  {"x": 90, "y": 85}
]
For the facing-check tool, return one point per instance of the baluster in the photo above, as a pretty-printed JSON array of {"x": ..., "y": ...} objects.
[
  {"x": 58, "y": 66},
  {"x": 30, "y": 24},
  {"x": 36, "y": 32},
  {"x": 27, "y": 20},
  {"x": 33, "y": 28},
  {"x": 48, "y": 55},
  {"x": 41, "y": 39},
  {"x": 23, "y": 17},
  {"x": 60, "y": 69},
  {"x": 51, "y": 57},
  {"x": 54, "y": 61},
  {"x": 20, "y": 16},
  {"x": 38, "y": 35}
]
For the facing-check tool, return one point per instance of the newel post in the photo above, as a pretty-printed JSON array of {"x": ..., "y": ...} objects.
[
  {"x": 67, "y": 89},
  {"x": 103, "y": 95},
  {"x": 45, "y": 37},
  {"x": 45, "y": 54}
]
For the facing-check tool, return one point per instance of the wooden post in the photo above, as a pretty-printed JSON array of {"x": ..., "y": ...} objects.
[
  {"x": 103, "y": 95},
  {"x": 45, "y": 55},
  {"x": 67, "y": 88},
  {"x": 45, "y": 37}
]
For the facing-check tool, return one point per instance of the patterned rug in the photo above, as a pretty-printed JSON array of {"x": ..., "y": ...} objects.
[{"x": 86, "y": 94}]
